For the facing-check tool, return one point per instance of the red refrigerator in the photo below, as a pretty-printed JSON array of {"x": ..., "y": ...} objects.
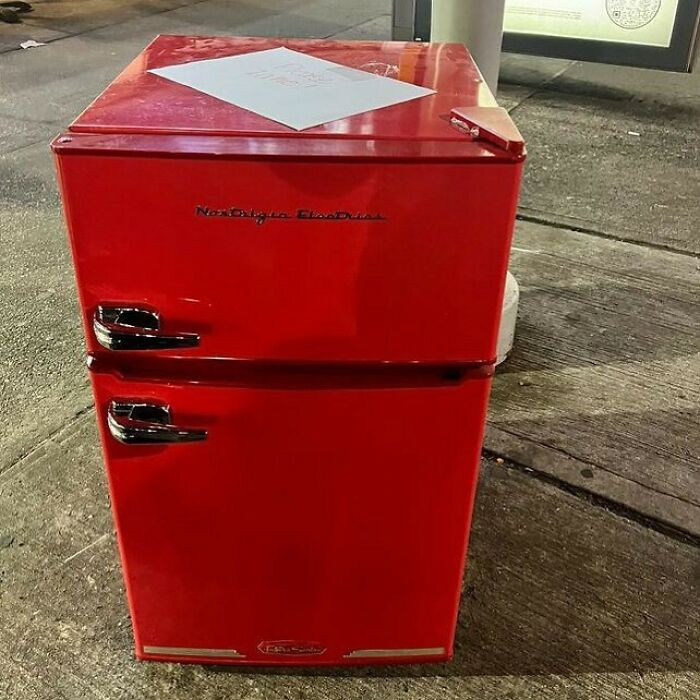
[{"x": 290, "y": 338}]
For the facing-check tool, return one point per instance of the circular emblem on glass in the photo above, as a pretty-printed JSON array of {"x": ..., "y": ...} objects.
[{"x": 632, "y": 14}]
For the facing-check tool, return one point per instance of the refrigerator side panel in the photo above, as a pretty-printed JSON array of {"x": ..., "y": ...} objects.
[{"x": 68, "y": 196}]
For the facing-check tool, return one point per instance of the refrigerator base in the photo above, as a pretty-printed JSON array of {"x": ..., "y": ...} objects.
[{"x": 403, "y": 657}]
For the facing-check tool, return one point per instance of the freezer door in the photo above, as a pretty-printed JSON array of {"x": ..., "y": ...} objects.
[
  {"x": 290, "y": 260},
  {"x": 323, "y": 525}
]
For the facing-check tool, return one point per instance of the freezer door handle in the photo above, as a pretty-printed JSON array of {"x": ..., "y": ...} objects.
[
  {"x": 136, "y": 422},
  {"x": 132, "y": 328}
]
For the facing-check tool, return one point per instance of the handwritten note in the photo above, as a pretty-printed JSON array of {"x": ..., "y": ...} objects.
[{"x": 290, "y": 87}]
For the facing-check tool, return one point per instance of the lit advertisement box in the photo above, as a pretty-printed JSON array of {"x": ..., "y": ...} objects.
[{"x": 647, "y": 33}]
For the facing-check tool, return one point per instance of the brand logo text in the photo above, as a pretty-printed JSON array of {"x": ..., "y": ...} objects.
[{"x": 262, "y": 216}]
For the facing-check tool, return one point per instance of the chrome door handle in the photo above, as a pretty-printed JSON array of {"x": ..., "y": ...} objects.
[
  {"x": 136, "y": 422},
  {"x": 125, "y": 328}
]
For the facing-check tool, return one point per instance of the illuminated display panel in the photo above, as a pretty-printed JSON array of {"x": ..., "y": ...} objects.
[
  {"x": 647, "y": 33},
  {"x": 643, "y": 22}
]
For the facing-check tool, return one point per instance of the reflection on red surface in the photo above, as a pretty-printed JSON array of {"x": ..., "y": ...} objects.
[{"x": 140, "y": 102}]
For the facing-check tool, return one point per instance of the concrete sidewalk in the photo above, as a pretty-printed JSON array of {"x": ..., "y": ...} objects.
[{"x": 584, "y": 566}]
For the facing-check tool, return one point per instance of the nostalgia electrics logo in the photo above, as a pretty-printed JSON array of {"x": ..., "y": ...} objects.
[
  {"x": 262, "y": 216},
  {"x": 288, "y": 647}
]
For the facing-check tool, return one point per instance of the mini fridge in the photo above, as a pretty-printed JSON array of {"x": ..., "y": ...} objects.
[{"x": 291, "y": 337}]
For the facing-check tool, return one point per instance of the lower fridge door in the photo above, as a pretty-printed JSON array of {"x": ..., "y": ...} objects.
[{"x": 280, "y": 523}]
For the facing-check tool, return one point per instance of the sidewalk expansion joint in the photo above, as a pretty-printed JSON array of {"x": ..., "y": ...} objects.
[
  {"x": 553, "y": 223},
  {"x": 540, "y": 87},
  {"x": 354, "y": 26},
  {"x": 69, "y": 35},
  {"x": 598, "y": 501}
]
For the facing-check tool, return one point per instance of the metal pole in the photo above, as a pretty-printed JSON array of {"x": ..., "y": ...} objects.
[
  {"x": 402, "y": 20},
  {"x": 476, "y": 23},
  {"x": 479, "y": 25}
]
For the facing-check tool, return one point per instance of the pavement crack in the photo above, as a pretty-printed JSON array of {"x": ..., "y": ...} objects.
[
  {"x": 22, "y": 146},
  {"x": 27, "y": 457},
  {"x": 538, "y": 88},
  {"x": 554, "y": 223},
  {"x": 101, "y": 538},
  {"x": 354, "y": 26}
]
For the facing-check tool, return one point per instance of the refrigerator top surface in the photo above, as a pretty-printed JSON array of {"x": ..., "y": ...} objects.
[{"x": 140, "y": 103}]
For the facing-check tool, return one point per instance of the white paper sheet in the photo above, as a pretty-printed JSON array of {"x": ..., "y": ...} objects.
[{"x": 290, "y": 87}]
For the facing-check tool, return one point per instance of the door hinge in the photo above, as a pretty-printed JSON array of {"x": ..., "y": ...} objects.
[{"x": 491, "y": 125}]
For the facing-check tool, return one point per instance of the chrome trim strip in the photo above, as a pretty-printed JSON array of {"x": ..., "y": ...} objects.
[
  {"x": 187, "y": 651},
  {"x": 377, "y": 653}
]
